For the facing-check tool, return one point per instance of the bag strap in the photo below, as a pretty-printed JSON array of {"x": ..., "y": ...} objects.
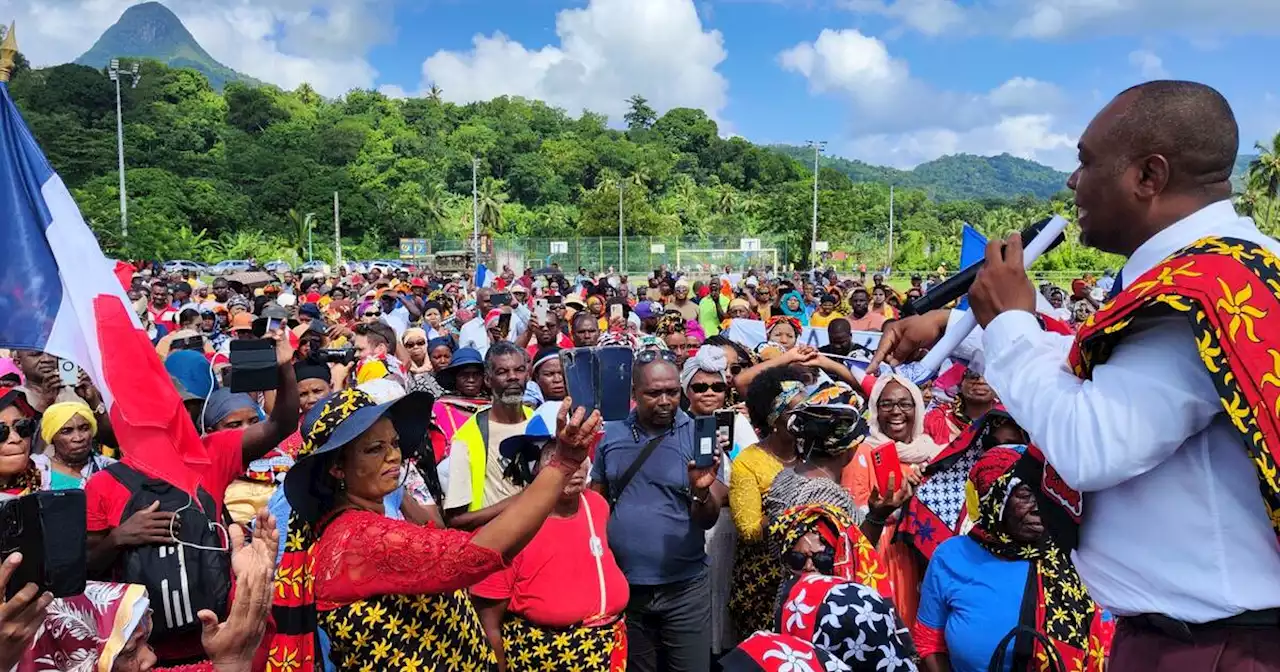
[
  {"x": 127, "y": 476},
  {"x": 482, "y": 422},
  {"x": 621, "y": 485},
  {"x": 1015, "y": 636}
]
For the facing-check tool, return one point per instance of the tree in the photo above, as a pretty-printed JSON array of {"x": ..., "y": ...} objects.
[
  {"x": 639, "y": 116},
  {"x": 301, "y": 225},
  {"x": 1264, "y": 173},
  {"x": 492, "y": 196}
]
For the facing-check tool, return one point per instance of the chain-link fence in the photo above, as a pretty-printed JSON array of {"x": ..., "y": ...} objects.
[{"x": 638, "y": 254}]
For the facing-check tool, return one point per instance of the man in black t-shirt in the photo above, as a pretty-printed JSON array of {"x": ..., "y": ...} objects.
[{"x": 840, "y": 339}]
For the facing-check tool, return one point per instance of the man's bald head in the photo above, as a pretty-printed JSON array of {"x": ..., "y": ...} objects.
[{"x": 1188, "y": 123}]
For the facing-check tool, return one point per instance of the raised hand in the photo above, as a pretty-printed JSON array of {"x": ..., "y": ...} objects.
[
  {"x": 231, "y": 645},
  {"x": 20, "y": 617},
  {"x": 905, "y": 340},
  {"x": 576, "y": 434}
]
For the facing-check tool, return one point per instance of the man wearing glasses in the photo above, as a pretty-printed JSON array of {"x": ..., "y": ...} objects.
[{"x": 662, "y": 507}]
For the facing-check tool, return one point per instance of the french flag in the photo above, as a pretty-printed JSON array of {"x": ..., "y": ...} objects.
[
  {"x": 484, "y": 277},
  {"x": 60, "y": 294}
]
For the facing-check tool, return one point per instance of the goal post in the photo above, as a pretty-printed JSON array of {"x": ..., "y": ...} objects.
[{"x": 740, "y": 259}]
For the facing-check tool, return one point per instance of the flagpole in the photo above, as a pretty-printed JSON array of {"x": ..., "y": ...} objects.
[{"x": 337, "y": 240}]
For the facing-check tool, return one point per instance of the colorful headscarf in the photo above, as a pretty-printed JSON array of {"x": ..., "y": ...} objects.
[
  {"x": 774, "y": 321},
  {"x": 856, "y": 558},
  {"x": 848, "y": 620},
  {"x": 800, "y": 315},
  {"x": 829, "y": 421},
  {"x": 87, "y": 631},
  {"x": 771, "y": 652},
  {"x": 670, "y": 323},
  {"x": 1061, "y": 609},
  {"x": 790, "y": 390},
  {"x": 58, "y": 415}
]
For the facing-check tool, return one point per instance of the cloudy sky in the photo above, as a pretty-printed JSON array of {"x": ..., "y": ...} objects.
[{"x": 894, "y": 82}]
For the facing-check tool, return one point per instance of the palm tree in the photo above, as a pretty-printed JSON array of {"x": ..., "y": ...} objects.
[
  {"x": 492, "y": 196},
  {"x": 301, "y": 225},
  {"x": 726, "y": 200},
  {"x": 435, "y": 94},
  {"x": 1264, "y": 173},
  {"x": 434, "y": 208}
]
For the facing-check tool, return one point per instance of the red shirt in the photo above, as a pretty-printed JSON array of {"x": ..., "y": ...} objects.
[
  {"x": 555, "y": 581},
  {"x": 106, "y": 498},
  {"x": 562, "y": 341}
]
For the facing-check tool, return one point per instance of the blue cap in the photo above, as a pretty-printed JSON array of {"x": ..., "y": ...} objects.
[{"x": 537, "y": 433}]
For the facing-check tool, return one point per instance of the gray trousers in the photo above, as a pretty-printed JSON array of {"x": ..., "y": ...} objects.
[{"x": 669, "y": 627}]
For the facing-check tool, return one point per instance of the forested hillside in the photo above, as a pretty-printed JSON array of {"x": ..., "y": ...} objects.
[
  {"x": 961, "y": 176},
  {"x": 234, "y": 173}
]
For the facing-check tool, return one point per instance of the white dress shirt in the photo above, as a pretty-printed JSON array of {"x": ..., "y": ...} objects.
[{"x": 1173, "y": 520}]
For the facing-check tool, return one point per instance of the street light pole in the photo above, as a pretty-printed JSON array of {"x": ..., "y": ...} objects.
[
  {"x": 621, "y": 257},
  {"x": 475, "y": 211},
  {"x": 817, "y": 146},
  {"x": 115, "y": 73}
]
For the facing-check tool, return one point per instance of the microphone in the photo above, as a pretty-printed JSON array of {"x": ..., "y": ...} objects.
[{"x": 958, "y": 285}]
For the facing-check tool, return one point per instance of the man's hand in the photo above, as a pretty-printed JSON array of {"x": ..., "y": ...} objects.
[
  {"x": 21, "y": 617},
  {"x": 148, "y": 526},
  {"x": 906, "y": 339},
  {"x": 1002, "y": 285},
  {"x": 284, "y": 351},
  {"x": 701, "y": 478},
  {"x": 231, "y": 645},
  {"x": 86, "y": 391}
]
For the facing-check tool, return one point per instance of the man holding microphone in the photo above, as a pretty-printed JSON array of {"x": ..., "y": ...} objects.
[{"x": 1159, "y": 410}]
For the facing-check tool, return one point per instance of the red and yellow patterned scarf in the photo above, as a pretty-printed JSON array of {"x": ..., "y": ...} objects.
[
  {"x": 856, "y": 558},
  {"x": 1229, "y": 290}
]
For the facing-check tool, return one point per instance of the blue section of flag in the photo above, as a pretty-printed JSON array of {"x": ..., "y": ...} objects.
[
  {"x": 30, "y": 288},
  {"x": 481, "y": 271},
  {"x": 973, "y": 247}
]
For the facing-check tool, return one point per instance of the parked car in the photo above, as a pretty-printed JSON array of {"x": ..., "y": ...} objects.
[
  {"x": 313, "y": 267},
  {"x": 183, "y": 266},
  {"x": 386, "y": 266},
  {"x": 231, "y": 266},
  {"x": 277, "y": 266}
]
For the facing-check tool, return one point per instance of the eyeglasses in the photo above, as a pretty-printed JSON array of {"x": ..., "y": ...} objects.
[
  {"x": 904, "y": 405},
  {"x": 701, "y": 388},
  {"x": 652, "y": 355},
  {"x": 824, "y": 561},
  {"x": 24, "y": 428}
]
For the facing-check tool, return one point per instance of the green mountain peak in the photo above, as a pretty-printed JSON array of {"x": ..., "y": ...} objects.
[{"x": 150, "y": 30}]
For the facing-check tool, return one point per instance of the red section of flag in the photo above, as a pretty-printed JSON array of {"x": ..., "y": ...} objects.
[
  {"x": 124, "y": 273},
  {"x": 150, "y": 423}
]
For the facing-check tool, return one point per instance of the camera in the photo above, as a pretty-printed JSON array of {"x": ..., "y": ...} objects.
[{"x": 344, "y": 356}]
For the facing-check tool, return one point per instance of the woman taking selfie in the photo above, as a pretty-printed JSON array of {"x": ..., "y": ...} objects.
[{"x": 367, "y": 577}]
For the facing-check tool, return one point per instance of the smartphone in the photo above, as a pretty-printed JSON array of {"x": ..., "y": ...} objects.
[
  {"x": 555, "y": 299},
  {"x": 504, "y": 324},
  {"x": 22, "y": 533},
  {"x": 67, "y": 373},
  {"x": 613, "y": 382},
  {"x": 273, "y": 323},
  {"x": 499, "y": 300},
  {"x": 579, "y": 365},
  {"x": 704, "y": 441},
  {"x": 540, "y": 310},
  {"x": 724, "y": 424},
  {"x": 253, "y": 366},
  {"x": 615, "y": 311},
  {"x": 884, "y": 459}
]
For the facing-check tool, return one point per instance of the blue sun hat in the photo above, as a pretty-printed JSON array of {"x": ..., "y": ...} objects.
[{"x": 523, "y": 451}]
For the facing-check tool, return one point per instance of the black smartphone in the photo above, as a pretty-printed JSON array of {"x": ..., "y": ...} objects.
[
  {"x": 613, "y": 381},
  {"x": 704, "y": 441},
  {"x": 21, "y": 532},
  {"x": 253, "y": 366},
  {"x": 500, "y": 300},
  {"x": 504, "y": 324},
  {"x": 724, "y": 424},
  {"x": 555, "y": 299},
  {"x": 579, "y": 365}
]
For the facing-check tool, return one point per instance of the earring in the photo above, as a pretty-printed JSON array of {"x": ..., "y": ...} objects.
[{"x": 342, "y": 486}]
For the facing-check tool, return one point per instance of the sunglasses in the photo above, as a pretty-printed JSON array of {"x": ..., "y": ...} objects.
[
  {"x": 24, "y": 428},
  {"x": 735, "y": 369},
  {"x": 701, "y": 388},
  {"x": 824, "y": 561},
  {"x": 414, "y": 344},
  {"x": 653, "y": 355},
  {"x": 372, "y": 313}
]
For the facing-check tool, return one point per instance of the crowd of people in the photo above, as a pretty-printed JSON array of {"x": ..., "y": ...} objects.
[{"x": 418, "y": 491}]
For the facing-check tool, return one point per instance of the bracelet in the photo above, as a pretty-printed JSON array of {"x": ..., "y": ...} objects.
[{"x": 700, "y": 500}]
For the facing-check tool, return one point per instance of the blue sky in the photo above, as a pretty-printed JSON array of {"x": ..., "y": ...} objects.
[{"x": 893, "y": 82}]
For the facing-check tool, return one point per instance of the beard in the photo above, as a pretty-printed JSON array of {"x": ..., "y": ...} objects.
[{"x": 511, "y": 397}]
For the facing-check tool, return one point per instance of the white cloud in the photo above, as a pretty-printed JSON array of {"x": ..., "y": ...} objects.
[
  {"x": 901, "y": 120},
  {"x": 1042, "y": 19},
  {"x": 608, "y": 51},
  {"x": 1148, "y": 64},
  {"x": 284, "y": 42}
]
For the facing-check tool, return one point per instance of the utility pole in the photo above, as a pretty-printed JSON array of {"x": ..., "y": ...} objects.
[
  {"x": 621, "y": 258},
  {"x": 818, "y": 146},
  {"x": 337, "y": 234},
  {"x": 114, "y": 72},
  {"x": 475, "y": 211},
  {"x": 890, "y": 264}
]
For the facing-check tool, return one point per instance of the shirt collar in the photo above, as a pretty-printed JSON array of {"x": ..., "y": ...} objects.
[
  {"x": 638, "y": 431},
  {"x": 1206, "y": 221}
]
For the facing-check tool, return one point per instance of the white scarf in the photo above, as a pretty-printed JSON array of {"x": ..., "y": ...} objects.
[{"x": 920, "y": 449}]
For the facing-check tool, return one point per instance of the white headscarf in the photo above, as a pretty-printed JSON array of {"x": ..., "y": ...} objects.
[
  {"x": 710, "y": 359},
  {"x": 920, "y": 448}
]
